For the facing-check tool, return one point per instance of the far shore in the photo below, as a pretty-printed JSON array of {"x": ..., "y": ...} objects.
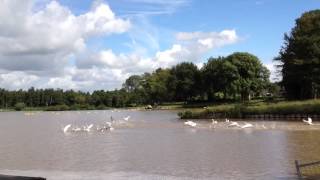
[{"x": 255, "y": 109}]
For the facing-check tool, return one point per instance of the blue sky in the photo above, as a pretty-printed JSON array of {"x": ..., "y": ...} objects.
[
  {"x": 260, "y": 23},
  {"x": 97, "y": 44}
]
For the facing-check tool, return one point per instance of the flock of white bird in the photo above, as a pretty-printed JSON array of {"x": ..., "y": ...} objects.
[
  {"x": 215, "y": 122},
  {"x": 243, "y": 125},
  {"x": 107, "y": 126}
]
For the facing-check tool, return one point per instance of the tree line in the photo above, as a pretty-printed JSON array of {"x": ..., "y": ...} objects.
[{"x": 239, "y": 76}]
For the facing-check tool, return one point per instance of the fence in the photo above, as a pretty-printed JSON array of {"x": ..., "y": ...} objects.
[{"x": 308, "y": 170}]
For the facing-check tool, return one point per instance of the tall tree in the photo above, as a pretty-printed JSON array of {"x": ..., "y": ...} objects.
[
  {"x": 252, "y": 75},
  {"x": 187, "y": 80},
  {"x": 219, "y": 74},
  {"x": 300, "y": 58}
]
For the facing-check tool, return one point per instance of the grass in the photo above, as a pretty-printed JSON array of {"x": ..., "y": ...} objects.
[{"x": 240, "y": 110}]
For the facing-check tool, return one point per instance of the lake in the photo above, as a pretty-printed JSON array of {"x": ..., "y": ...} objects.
[{"x": 151, "y": 145}]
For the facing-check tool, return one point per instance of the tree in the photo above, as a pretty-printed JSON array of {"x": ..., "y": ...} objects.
[
  {"x": 251, "y": 75},
  {"x": 158, "y": 85},
  {"x": 219, "y": 74},
  {"x": 186, "y": 78},
  {"x": 132, "y": 83},
  {"x": 300, "y": 58},
  {"x": 19, "y": 106}
]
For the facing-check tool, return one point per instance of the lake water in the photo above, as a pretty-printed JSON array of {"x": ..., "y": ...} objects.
[{"x": 151, "y": 145}]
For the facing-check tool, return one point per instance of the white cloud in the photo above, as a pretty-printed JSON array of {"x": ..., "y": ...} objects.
[
  {"x": 46, "y": 46},
  {"x": 209, "y": 39},
  {"x": 151, "y": 7},
  {"x": 193, "y": 45},
  {"x": 45, "y": 37},
  {"x": 102, "y": 21},
  {"x": 189, "y": 47},
  {"x": 17, "y": 80}
]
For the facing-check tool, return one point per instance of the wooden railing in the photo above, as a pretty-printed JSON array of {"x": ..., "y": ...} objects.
[{"x": 308, "y": 170}]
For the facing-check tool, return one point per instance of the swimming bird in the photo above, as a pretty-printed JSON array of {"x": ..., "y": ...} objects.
[
  {"x": 214, "y": 121},
  {"x": 227, "y": 120},
  {"x": 233, "y": 124},
  {"x": 88, "y": 128},
  {"x": 77, "y": 129},
  {"x": 66, "y": 128},
  {"x": 247, "y": 125},
  {"x": 109, "y": 123},
  {"x": 127, "y": 118},
  {"x": 109, "y": 126},
  {"x": 309, "y": 121},
  {"x": 190, "y": 123}
]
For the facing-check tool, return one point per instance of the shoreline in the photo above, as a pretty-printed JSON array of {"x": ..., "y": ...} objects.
[{"x": 255, "y": 109}]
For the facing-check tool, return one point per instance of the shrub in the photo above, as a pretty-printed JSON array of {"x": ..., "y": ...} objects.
[
  {"x": 19, "y": 106},
  {"x": 101, "y": 107},
  {"x": 62, "y": 107}
]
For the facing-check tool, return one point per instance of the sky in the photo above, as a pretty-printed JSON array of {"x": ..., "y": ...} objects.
[{"x": 90, "y": 45}]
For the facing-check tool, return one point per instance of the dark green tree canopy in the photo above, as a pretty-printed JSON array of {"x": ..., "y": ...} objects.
[
  {"x": 252, "y": 76},
  {"x": 300, "y": 57},
  {"x": 186, "y": 80},
  {"x": 219, "y": 74}
]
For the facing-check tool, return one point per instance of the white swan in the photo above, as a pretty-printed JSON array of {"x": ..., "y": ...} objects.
[
  {"x": 190, "y": 123},
  {"x": 88, "y": 128},
  {"x": 247, "y": 125},
  {"x": 127, "y": 118},
  {"x": 227, "y": 120},
  {"x": 309, "y": 121},
  {"x": 66, "y": 128},
  {"x": 77, "y": 129},
  {"x": 233, "y": 124},
  {"x": 264, "y": 127},
  {"x": 109, "y": 124},
  {"x": 214, "y": 121}
]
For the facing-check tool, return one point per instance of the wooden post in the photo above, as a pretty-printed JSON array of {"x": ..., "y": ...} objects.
[{"x": 298, "y": 169}]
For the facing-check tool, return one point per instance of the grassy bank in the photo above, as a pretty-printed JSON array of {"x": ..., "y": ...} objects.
[{"x": 241, "y": 110}]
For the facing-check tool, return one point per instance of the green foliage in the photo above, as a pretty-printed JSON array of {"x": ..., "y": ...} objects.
[
  {"x": 219, "y": 75},
  {"x": 221, "y": 78},
  {"x": 237, "y": 111},
  {"x": 254, "y": 108},
  {"x": 284, "y": 108},
  {"x": 252, "y": 76},
  {"x": 62, "y": 107},
  {"x": 186, "y": 81},
  {"x": 239, "y": 73},
  {"x": 19, "y": 106},
  {"x": 300, "y": 58},
  {"x": 196, "y": 114}
]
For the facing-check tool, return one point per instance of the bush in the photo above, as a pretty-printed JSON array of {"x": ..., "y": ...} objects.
[
  {"x": 19, "y": 106},
  {"x": 102, "y": 107},
  {"x": 255, "y": 108},
  {"x": 62, "y": 107},
  {"x": 237, "y": 111}
]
